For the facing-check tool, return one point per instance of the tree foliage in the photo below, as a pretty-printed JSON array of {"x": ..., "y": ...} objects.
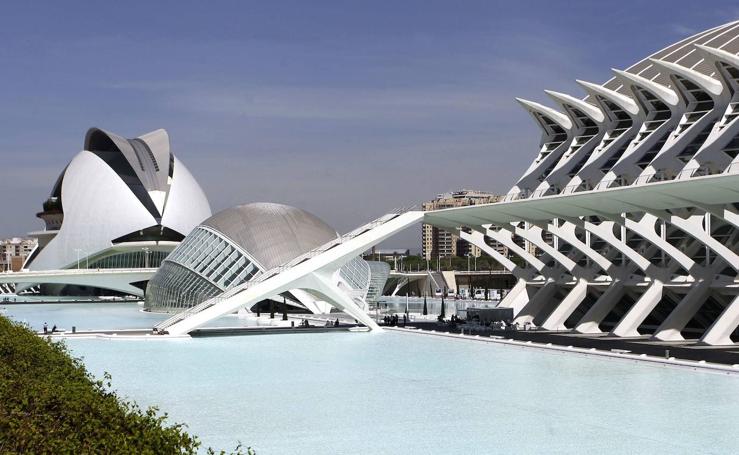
[{"x": 49, "y": 403}]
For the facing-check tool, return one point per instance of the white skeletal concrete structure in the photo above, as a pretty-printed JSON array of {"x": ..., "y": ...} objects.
[
  {"x": 123, "y": 203},
  {"x": 637, "y": 185}
]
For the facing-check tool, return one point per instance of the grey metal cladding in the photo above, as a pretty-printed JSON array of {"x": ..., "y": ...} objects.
[
  {"x": 684, "y": 53},
  {"x": 272, "y": 233}
]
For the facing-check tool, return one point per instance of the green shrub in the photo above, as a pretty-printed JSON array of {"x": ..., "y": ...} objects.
[{"x": 49, "y": 403}]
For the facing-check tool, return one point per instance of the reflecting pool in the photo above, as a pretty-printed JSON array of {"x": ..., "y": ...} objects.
[
  {"x": 98, "y": 316},
  {"x": 397, "y": 393}
]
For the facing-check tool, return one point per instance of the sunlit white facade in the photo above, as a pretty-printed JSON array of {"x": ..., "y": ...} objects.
[
  {"x": 637, "y": 185},
  {"x": 120, "y": 203}
]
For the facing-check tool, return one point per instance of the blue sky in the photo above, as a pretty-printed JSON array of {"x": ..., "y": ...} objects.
[{"x": 345, "y": 109}]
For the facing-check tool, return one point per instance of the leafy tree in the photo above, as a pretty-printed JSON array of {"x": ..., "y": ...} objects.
[{"x": 50, "y": 403}]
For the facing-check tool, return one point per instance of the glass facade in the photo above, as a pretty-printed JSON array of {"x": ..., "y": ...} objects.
[
  {"x": 379, "y": 272},
  {"x": 215, "y": 258},
  {"x": 177, "y": 288},
  {"x": 356, "y": 273},
  {"x": 204, "y": 265},
  {"x": 128, "y": 260}
]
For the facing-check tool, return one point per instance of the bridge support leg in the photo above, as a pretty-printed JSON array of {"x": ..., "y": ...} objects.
[{"x": 340, "y": 300}]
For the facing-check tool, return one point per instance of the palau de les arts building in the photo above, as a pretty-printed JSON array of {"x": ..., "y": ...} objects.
[
  {"x": 632, "y": 201},
  {"x": 119, "y": 204}
]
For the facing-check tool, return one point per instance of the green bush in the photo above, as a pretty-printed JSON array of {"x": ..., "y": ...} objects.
[{"x": 49, "y": 403}]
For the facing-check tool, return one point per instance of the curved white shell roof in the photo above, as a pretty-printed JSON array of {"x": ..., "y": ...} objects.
[{"x": 107, "y": 194}]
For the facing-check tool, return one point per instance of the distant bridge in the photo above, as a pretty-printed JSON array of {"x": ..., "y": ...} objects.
[{"x": 113, "y": 279}]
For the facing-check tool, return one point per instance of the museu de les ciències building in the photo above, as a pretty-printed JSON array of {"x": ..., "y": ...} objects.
[{"x": 632, "y": 200}]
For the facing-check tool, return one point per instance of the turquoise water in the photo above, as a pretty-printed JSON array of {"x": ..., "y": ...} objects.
[
  {"x": 395, "y": 393},
  {"x": 95, "y": 316},
  {"x": 84, "y": 316}
]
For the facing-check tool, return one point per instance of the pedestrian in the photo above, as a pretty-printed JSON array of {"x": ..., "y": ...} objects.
[
  {"x": 53, "y": 328},
  {"x": 46, "y": 329},
  {"x": 336, "y": 324}
]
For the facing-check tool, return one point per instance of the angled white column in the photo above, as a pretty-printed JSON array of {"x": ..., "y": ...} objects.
[
  {"x": 517, "y": 297},
  {"x": 310, "y": 302},
  {"x": 401, "y": 282},
  {"x": 693, "y": 226},
  {"x": 478, "y": 239},
  {"x": 627, "y": 326},
  {"x": 534, "y": 235},
  {"x": 503, "y": 236},
  {"x": 720, "y": 331},
  {"x": 556, "y": 320},
  {"x": 538, "y": 302},
  {"x": 676, "y": 321},
  {"x": 589, "y": 126},
  {"x": 542, "y": 299},
  {"x": 566, "y": 232},
  {"x": 590, "y": 322},
  {"x": 323, "y": 284},
  {"x": 644, "y": 227}
]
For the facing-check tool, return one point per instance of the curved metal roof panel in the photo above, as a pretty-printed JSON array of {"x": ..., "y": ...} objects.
[{"x": 272, "y": 234}]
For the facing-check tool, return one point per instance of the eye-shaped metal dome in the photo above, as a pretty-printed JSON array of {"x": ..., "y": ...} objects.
[
  {"x": 230, "y": 248},
  {"x": 272, "y": 234}
]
